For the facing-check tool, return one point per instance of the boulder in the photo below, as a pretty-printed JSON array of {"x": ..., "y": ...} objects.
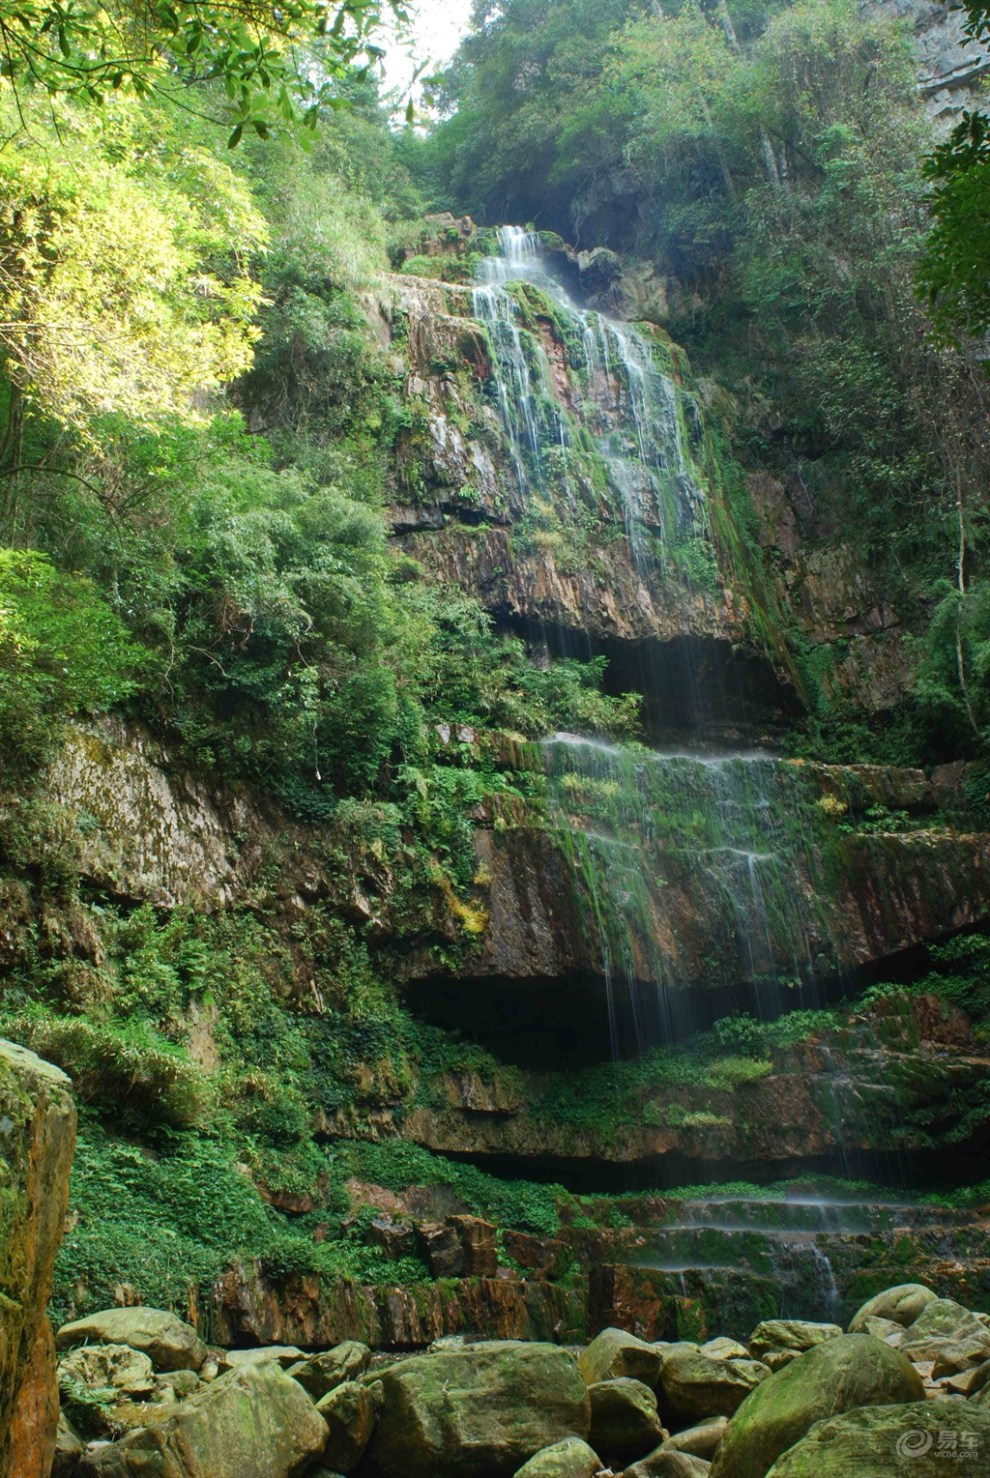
[
  {"x": 571, "y": 1458},
  {"x": 725, "y": 1349},
  {"x": 476, "y": 1412},
  {"x": 107, "y": 1366},
  {"x": 948, "y": 1334},
  {"x": 667, "y": 1462},
  {"x": 331, "y": 1368},
  {"x": 614, "y": 1353},
  {"x": 701, "y": 1440},
  {"x": 286, "y": 1356},
  {"x": 350, "y": 1412},
  {"x": 253, "y": 1421},
  {"x": 69, "y": 1448},
  {"x": 794, "y": 1335},
  {"x": 693, "y": 1385},
  {"x": 167, "y": 1341},
  {"x": 918, "y": 1440},
  {"x": 37, "y": 1137},
  {"x": 851, "y": 1370},
  {"x": 901, "y": 1305},
  {"x": 885, "y": 1329},
  {"x": 624, "y": 1420}
]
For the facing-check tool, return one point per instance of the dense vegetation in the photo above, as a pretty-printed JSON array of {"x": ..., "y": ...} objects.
[
  {"x": 198, "y": 451},
  {"x": 763, "y": 161}
]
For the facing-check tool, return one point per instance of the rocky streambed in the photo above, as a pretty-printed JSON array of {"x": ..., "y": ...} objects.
[{"x": 904, "y": 1388}]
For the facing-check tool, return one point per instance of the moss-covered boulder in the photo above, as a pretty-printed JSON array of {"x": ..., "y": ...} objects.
[
  {"x": 614, "y": 1353},
  {"x": 168, "y": 1342},
  {"x": 693, "y": 1385},
  {"x": 257, "y": 1420},
  {"x": 624, "y": 1419},
  {"x": 322, "y": 1373},
  {"x": 917, "y": 1440},
  {"x": 794, "y": 1336},
  {"x": 852, "y": 1370},
  {"x": 476, "y": 1412},
  {"x": 350, "y": 1412},
  {"x": 901, "y": 1305},
  {"x": 571, "y": 1458},
  {"x": 948, "y": 1334},
  {"x": 37, "y": 1138},
  {"x": 667, "y": 1462},
  {"x": 702, "y": 1439}
]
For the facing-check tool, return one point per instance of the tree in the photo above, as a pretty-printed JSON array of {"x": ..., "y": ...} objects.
[
  {"x": 275, "y": 61},
  {"x": 955, "y": 268}
]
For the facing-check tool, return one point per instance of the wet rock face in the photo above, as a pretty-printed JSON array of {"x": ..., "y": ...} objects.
[{"x": 37, "y": 1137}]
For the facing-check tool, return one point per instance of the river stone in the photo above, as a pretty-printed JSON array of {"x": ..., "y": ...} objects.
[
  {"x": 170, "y": 1344},
  {"x": 902, "y": 1305},
  {"x": 886, "y": 1329},
  {"x": 948, "y": 1334},
  {"x": 667, "y": 1462},
  {"x": 614, "y": 1353},
  {"x": 725, "y": 1349},
  {"x": 923, "y": 1439},
  {"x": 571, "y": 1458},
  {"x": 477, "y": 1412},
  {"x": 69, "y": 1448},
  {"x": 851, "y": 1370},
  {"x": 284, "y": 1355},
  {"x": 350, "y": 1411},
  {"x": 253, "y": 1421},
  {"x": 789, "y": 1334},
  {"x": 694, "y": 1386},
  {"x": 107, "y": 1366},
  {"x": 624, "y": 1420},
  {"x": 322, "y": 1373},
  {"x": 702, "y": 1439}
]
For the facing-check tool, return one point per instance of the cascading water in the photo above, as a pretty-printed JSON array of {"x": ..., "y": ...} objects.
[
  {"x": 700, "y": 869},
  {"x": 629, "y": 405}
]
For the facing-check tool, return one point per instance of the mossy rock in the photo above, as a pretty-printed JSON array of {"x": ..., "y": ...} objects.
[
  {"x": 256, "y": 1420},
  {"x": 476, "y": 1412},
  {"x": 571, "y": 1458},
  {"x": 901, "y": 1305},
  {"x": 614, "y": 1353},
  {"x": 694, "y": 1385},
  {"x": 624, "y": 1419},
  {"x": 852, "y": 1370},
  {"x": 916, "y": 1440}
]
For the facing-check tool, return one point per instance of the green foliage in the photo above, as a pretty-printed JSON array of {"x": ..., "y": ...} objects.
[
  {"x": 63, "y": 652},
  {"x": 398, "y": 1164},
  {"x": 262, "y": 54}
]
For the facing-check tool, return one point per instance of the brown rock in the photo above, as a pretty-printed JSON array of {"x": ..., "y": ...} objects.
[{"x": 37, "y": 1137}]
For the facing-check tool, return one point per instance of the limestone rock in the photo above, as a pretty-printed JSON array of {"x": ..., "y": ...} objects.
[
  {"x": 885, "y": 1329},
  {"x": 789, "y": 1334},
  {"x": 168, "y": 1341},
  {"x": 949, "y": 1335},
  {"x": 624, "y": 1420},
  {"x": 916, "y": 1440},
  {"x": 615, "y": 1353},
  {"x": 286, "y": 1356},
  {"x": 571, "y": 1458},
  {"x": 725, "y": 1349},
  {"x": 902, "y": 1305},
  {"x": 253, "y": 1421},
  {"x": 477, "y": 1412},
  {"x": 118, "y": 1366},
  {"x": 693, "y": 1385},
  {"x": 701, "y": 1440},
  {"x": 350, "y": 1411},
  {"x": 69, "y": 1448},
  {"x": 851, "y": 1370},
  {"x": 37, "y": 1137},
  {"x": 322, "y": 1373},
  {"x": 667, "y": 1462}
]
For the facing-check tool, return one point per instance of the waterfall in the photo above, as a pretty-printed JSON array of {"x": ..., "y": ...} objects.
[{"x": 630, "y": 405}]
